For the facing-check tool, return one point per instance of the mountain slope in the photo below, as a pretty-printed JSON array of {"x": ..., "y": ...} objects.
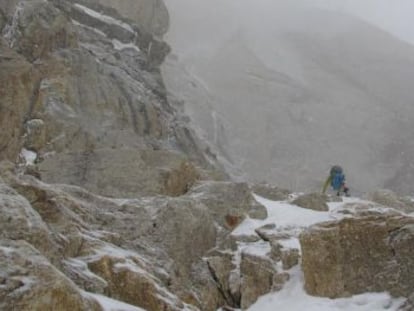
[{"x": 304, "y": 91}]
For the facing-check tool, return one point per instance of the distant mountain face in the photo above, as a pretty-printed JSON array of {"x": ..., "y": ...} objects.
[{"x": 303, "y": 90}]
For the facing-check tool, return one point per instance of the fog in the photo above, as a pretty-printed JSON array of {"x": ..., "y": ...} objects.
[
  {"x": 285, "y": 89},
  {"x": 199, "y": 16},
  {"x": 395, "y": 16}
]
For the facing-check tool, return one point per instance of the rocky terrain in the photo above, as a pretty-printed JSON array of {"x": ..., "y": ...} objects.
[{"x": 110, "y": 201}]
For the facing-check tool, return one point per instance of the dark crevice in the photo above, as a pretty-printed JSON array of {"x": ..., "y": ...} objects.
[
  {"x": 129, "y": 102},
  {"x": 144, "y": 112},
  {"x": 228, "y": 298},
  {"x": 33, "y": 100},
  {"x": 262, "y": 236}
]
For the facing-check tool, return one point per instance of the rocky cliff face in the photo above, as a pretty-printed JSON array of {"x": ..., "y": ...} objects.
[
  {"x": 81, "y": 90},
  {"x": 107, "y": 197},
  {"x": 84, "y": 113}
]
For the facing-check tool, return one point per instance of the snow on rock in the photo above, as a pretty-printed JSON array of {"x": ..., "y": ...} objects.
[
  {"x": 118, "y": 45},
  {"x": 31, "y": 282},
  {"x": 294, "y": 298},
  {"x": 104, "y": 18},
  {"x": 96, "y": 30},
  {"x": 109, "y": 304},
  {"x": 280, "y": 232},
  {"x": 284, "y": 215},
  {"x": 11, "y": 31},
  {"x": 28, "y": 156}
]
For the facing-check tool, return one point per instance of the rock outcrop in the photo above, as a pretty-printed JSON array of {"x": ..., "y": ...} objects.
[
  {"x": 228, "y": 202},
  {"x": 150, "y": 15},
  {"x": 313, "y": 201},
  {"x": 271, "y": 192},
  {"x": 17, "y": 81},
  {"x": 257, "y": 278},
  {"x": 359, "y": 254},
  {"x": 30, "y": 282},
  {"x": 81, "y": 87},
  {"x": 154, "y": 246}
]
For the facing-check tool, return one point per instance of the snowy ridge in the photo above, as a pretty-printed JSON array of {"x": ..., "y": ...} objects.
[{"x": 290, "y": 220}]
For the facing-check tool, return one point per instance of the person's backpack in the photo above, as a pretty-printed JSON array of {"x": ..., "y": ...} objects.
[{"x": 337, "y": 177}]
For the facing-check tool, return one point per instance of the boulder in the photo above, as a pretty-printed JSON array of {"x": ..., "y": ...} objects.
[
  {"x": 258, "y": 277},
  {"x": 129, "y": 282},
  {"x": 30, "y": 282},
  {"x": 221, "y": 268},
  {"x": 313, "y": 201},
  {"x": 61, "y": 213},
  {"x": 290, "y": 258},
  {"x": 228, "y": 202},
  {"x": 359, "y": 254},
  {"x": 186, "y": 231},
  {"x": 270, "y": 233},
  {"x": 204, "y": 292},
  {"x": 271, "y": 192},
  {"x": 279, "y": 280},
  {"x": 19, "y": 221},
  {"x": 78, "y": 271}
]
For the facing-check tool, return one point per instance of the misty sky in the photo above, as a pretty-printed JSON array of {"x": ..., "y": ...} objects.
[{"x": 395, "y": 16}]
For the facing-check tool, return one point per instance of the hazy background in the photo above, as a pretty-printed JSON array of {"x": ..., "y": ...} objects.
[
  {"x": 395, "y": 16},
  {"x": 286, "y": 89}
]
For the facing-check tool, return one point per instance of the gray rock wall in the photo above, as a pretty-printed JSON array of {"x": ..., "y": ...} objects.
[{"x": 90, "y": 77}]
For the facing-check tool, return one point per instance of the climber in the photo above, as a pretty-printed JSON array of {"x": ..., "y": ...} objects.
[{"x": 337, "y": 180}]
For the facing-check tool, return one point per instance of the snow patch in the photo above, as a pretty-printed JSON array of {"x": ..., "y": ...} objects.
[
  {"x": 7, "y": 250},
  {"x": 104, "y": 18},
  {"x": 119, "y": 46},
  {"x": 109, "y": 304},
  {"x": 28, "y": 156},
  {"x": 286, "y": 217},
  {"x": 260, "y": 248},
  {"x": 131, "y": 266},
  {"x": 83, "y": 267},
  {"x": 291, "y": 243},
  {"x": 28, "y": 284},
  {"x": 89, "y": 28}
]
